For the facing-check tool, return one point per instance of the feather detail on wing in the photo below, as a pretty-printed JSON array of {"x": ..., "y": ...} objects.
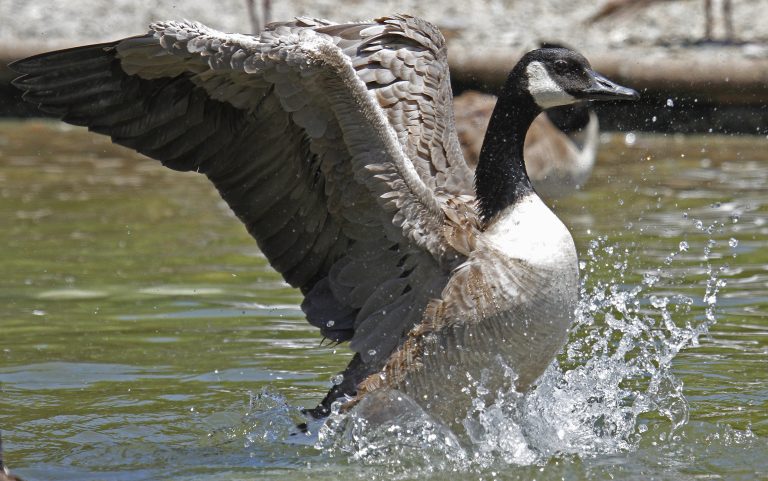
[{"x": 334, "y": 144}]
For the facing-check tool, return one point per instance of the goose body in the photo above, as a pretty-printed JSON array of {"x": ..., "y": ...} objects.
[
  {"x": 558, "y": 159},
  {"x": 335, "y": 145},
  {"x": 500, "y": 321}
]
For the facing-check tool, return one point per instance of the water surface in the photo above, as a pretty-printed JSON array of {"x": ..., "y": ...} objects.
[{"x": 144, "y": 336}]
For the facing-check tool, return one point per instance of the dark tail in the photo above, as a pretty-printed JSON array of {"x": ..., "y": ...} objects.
[
  {"x": 2, "y": 466},
  {"x": 355, "y": 372}
]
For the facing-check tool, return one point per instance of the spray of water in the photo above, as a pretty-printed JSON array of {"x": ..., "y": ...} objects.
[
  {"x": 612, "y": 383},
  {"x": 612, "y": 386}
]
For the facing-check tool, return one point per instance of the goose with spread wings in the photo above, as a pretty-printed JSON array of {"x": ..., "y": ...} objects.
[{"x": 335, "y": 145}]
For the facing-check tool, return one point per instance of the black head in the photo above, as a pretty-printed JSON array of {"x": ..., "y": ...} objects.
[
  {"x": 544, "y": 78},
  {"x": 560, "y": 76}
]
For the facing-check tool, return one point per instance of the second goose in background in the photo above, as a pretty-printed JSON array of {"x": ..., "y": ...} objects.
[{"x": 560, "y": 147}]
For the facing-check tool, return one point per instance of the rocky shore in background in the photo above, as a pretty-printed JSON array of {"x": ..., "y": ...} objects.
[{"x": 720, "y": 85}]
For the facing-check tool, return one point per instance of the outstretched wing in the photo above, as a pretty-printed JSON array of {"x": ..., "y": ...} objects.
[{"x": 334, "y": 144}]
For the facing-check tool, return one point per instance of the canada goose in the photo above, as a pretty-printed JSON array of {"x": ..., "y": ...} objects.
[
  {"x": 559, "y": 158},
  {"x": 617, "y": 7},
  {"x": 335, "y": 145}
]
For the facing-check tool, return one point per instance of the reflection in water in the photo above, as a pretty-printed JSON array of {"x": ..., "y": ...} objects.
[{"x": 139, "y": 317}]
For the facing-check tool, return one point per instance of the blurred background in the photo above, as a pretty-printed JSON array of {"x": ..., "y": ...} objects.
[{"x": 699, "y": 53}]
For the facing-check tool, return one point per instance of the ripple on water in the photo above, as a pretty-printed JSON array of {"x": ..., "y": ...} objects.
[
  {"x": 80, "y": 406},
  {"x": 71, "y": 295},
  {"x": 71, "y": 375}
]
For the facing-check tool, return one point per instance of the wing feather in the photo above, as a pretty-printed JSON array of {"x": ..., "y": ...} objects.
[{"x": 334, "y": 144}]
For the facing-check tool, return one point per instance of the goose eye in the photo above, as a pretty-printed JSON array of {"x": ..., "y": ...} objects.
[{"x": 561, "y": 66}]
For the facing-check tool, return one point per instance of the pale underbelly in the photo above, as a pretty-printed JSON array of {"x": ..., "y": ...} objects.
[{"x": 471, "y": 362}]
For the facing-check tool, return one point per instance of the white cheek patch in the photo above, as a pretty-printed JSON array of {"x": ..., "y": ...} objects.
[{"x": 544, "y": 90}]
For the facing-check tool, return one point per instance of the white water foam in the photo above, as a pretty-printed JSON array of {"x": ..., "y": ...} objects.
[
  {"x": 612, "y": 387},
  {"x": 613, "y": 382}
]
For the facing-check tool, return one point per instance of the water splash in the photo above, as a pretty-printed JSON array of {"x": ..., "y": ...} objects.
[
  {"x": 267, "y": 421},
  {"x": 612, "y": 384}
]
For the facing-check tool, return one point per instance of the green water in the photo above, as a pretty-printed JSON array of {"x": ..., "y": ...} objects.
[{"x": 142, "y": 332}]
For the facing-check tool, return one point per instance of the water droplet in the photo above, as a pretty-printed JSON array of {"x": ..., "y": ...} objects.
[
  {"x": 659, "y": 302},
  {"x": 330, "y": 323},
  {"x": 698, "y": 224},
  {"x": 650, "y": 279},
  {"x": 38, "y": 312},
  {"x": 372, "y": 352},
  {"x": 683, "y": 246},
  {"x": 653, "y": 119},
  {"x": 670, "y": 103},
  {"x": 337, "y": 379},
  {"x": 630, "y": 139},
  {"x": 733, "y": 242}
]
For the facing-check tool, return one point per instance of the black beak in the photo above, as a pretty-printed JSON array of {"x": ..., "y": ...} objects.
[{"x": 603, "y": 89}]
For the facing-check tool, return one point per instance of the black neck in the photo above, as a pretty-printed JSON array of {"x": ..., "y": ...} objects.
[{"x": 500, "y": 177}]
